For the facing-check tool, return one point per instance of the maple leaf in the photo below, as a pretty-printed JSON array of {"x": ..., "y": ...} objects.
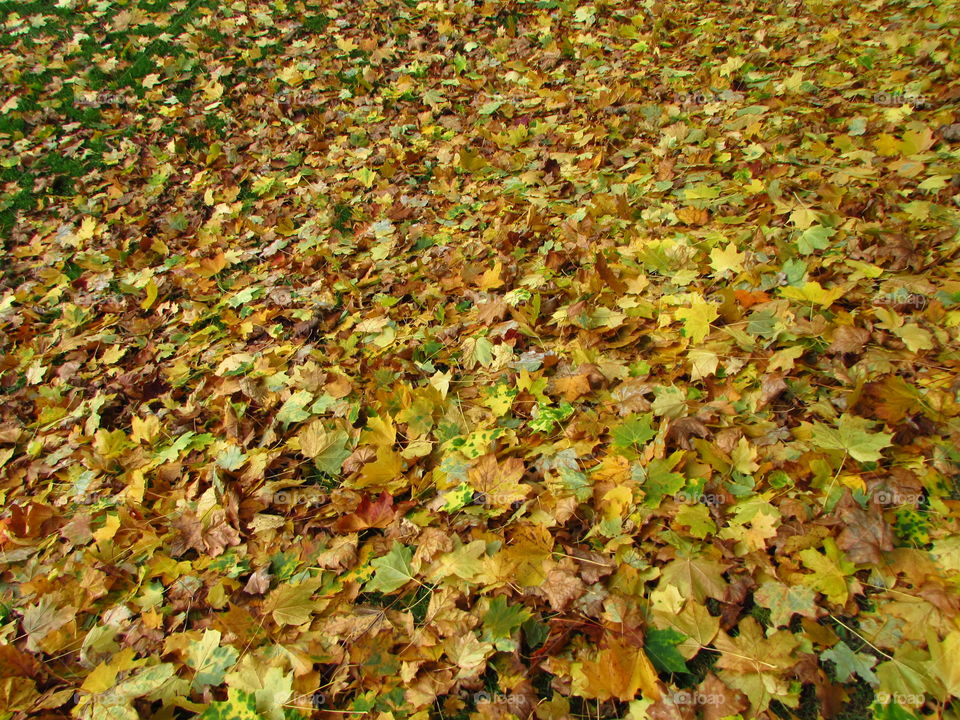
[
  {"x": 812, "y": 292},
  {"x": 852, "y": 435},
  {"x": 291, "y": 604},
  {"x": 393, "y": 570},
  {"x": 907, "y": 675},
  {"x": 271, "y": 688},
  {"x": 292, "y": 410},
  {"x": 18, "y": 694},
  {"x": 661, "y": 647},
  {"x": 468, "y": 654},
  {"x": 727, "y": 259},
  {"x": 43, "y": 618},
  {"x": 752, "y": 663},
  {"x": 848, "y": 662},
  {"x": 239, "y": 705},
  {"x": 210, "y": 538},
  {"x": 815, "y": 237},
  {"x": 698, "y": 578},
  {"x": 697, "y": 319},
  {"x": 502, "y": 619},
  {"x": 209, "y": 660},
  {"x": 619, "y": 671},
  {"x": 634, "y": 432},
  {"x": 561, "y": 587},
  {"x": 945, "y": 656},
  {"x": 379, "y": 514},
  {"x": 478, "y": 329},
  {"x": 462, "y": 562},
  {"x": 657, "y": 480},
  {"x": 865, "y": 535},
  {"x": 785, "y": 601},
  {"x": 327, "y": 449},
  {"x": 499, "y": 482},
  {"x": 830, "y": 571}
]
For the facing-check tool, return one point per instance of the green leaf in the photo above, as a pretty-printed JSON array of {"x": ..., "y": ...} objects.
[
  {"x": 661, "y": 647},
  {"x": 830, "y": 571},
  {"x": 502, "y": 618},
  {"x": 548, "y": 417},
  {"x": 848, "y": 662},
  {"x": 272, "y": 688},
  {"x": 852, "y": 435},
  {"x": 657, "y": 479},
  {"x": 815, "y": 237},
  {"x": 262, "y": 185},
  {"x": 785, "y": 601},
  {"x": 330, "y": 459},
  {"x": 144, "y": 682},
  {"x": 490, "y": 108},
  {"x": 210, "y": 661},
  {"x": 483, "y": 352},
  {"x": 458, "y": 497},
  {"x": 239, "y": 705},
  {"x": 393, "y": 570},
  {"x": 292, "y": 410},
  {"x": 907, "y": 673},
  {"x": 634, "y": 432},
  {"x": 231, "y": 458}
]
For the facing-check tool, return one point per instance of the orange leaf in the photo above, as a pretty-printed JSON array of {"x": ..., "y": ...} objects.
[{"x": 620, "y": 670}]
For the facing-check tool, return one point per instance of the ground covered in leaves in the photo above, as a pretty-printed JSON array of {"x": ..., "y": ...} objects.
[{"x": 463, "y": 360}]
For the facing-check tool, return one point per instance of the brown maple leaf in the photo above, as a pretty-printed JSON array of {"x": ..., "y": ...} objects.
[
  {"x": 492, "y": 311},
  {"x": 499, "y": 482},
  {"x": 340, "y": 555},
  {"x": 561, "y": 588},
  {"x": 379, "y": 514},
  {"x": 682, "y": 429},
  {"x": 719, "y": 700},
  {"x": 259, "y": 582},
  {"x": 865, "y": 535},
  {"x": 211, "y": 540},
  {"x": 849, "y": 339}
]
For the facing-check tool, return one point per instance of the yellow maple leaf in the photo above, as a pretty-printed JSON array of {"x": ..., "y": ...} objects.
[
  {"x": 491, "y": 278},
  {"x": 915, "y": 337},
  {"x": 726, "y": 259},
  {"x": 917, "y": 141},
  {"x": 803, "y": 217},
  {"x": 887, "y": 144},
  {"x": 619, "y": 671},
  {"x": 384, "y": 473},
  {"x": 697, "y": 319},
  {"x": 813, "y": 292}
]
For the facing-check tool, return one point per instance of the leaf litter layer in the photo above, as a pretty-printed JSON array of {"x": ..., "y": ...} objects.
[{"x": 459, "y": 360}]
